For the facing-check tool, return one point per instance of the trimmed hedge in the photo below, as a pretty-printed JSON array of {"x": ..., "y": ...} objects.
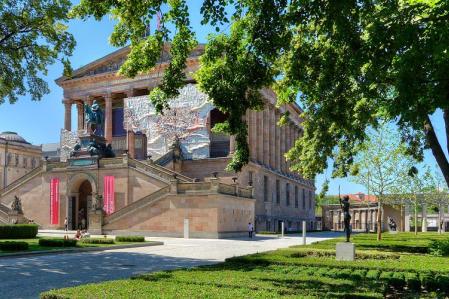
[
  {"x": 13, "y": 246},
  {"x": 18, "y": 231},
  {"x": 97, "y": 241},
  {"x": 439, "y": 247},
  {"x": 130, "y": 238},
  {"x": 331, "y": 253},
  {"x": 57, "y": 242}
]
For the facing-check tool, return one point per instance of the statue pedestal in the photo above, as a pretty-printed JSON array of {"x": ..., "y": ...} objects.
[
  {"x": 345, "y": 251},
  {"x": 95, "y": 222},
  {"x": 17, "y": 218}
]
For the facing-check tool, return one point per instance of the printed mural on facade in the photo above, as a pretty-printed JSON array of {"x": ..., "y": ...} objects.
[{"x": 185, "y": 120}]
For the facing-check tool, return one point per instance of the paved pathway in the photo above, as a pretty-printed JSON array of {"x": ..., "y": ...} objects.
[{"x": 26, "y": 277}]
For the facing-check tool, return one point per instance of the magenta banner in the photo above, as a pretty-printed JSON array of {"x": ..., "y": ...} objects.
[
  {"x": 54, "y": 201},
  {"x": 108, "y": 195}
]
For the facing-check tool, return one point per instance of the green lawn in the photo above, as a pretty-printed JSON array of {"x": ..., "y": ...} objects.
[
  {"x": 34, "y": 245},
  {"x": 295, "y": 272}
]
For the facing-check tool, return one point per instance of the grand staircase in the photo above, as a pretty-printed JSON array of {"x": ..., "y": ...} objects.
[{"x": 138, "y": 204}]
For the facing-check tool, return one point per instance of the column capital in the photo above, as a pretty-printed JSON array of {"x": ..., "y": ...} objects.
[{"x": 67, "y": 102}]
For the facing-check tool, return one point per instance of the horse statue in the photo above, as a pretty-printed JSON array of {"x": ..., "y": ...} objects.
[{"x": 94, "y": 118}]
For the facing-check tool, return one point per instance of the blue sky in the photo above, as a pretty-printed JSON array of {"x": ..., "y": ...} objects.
[{"x": 41, "y": 122}]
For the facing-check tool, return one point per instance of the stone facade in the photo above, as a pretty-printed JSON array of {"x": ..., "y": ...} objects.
[{"x": 155, "y": 193}]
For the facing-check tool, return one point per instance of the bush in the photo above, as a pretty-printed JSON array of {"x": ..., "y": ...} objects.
[
  {"x": 372, "y": 274},
  {"x": 13, "y": 246},
  {"x": 18, "y": 231},
  {"x": 439, "y": 247},
  {"x": 57, "y": 242},
  {"x": 97, "y": 241},
  {"x": 130, "y": 239},
  {"x": 412, "y": 281},
  {"x": 428, "y": 281}
]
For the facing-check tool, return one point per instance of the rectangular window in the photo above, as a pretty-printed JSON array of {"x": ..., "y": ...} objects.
[
  {"x": 278, "y": 192},
  {"x": 296, "y": 196},
  {"x": 250, "y": 178},
  {"x": 287, "y": 193},
  {"x": 304, "y": 199},
  {"x": 265, "y": 188}
]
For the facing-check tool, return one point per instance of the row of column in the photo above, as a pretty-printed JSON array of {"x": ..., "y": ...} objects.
[
  {"x": 268, "y": 141},
  {"x": 107, "y": 115}
]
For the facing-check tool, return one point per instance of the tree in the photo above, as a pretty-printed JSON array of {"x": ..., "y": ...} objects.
[
  {"x": 32, "y": 36},
  {"x": 379, "y": 166},
  {"x": 350, "y": 63}
]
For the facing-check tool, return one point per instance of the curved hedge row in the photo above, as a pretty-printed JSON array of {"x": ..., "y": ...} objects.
[
  {"x": 18, "y": 231},
  {"x": 13, "y": 246},
  {"x": 130, "y": 238},
  {"x": 57, "y": 242},
  {"x": 97, "y": 241}
]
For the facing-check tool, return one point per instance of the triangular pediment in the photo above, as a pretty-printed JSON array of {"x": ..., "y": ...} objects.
[{"x": 112, "y": 63}]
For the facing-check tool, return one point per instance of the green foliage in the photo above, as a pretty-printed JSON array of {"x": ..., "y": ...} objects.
[
  {"x": 18, "y": 231},
  {"x": 97, "y": 241},
  {"x": 13, "y": 246},
  {"x": 350, "y": 64},
  {"x": 33, "y": 36},
  {"x": 57, "y": 242},
  {"x": 439, "y": 247},
  {"x": 130, "y": 238}
]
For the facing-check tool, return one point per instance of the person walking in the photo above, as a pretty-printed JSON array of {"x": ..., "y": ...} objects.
[
  {"x": 66, "y": 224},
  {"x": 250, "y": 230}
]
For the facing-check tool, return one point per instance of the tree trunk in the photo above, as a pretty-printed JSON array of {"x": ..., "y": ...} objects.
[
  {"x": 416, "y": 220},
  {"x": 379, "y": 222},
  {"x": 435, "y": 145}
]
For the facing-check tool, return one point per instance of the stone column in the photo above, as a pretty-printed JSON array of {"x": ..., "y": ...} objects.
[
  {"x": 131, "y": 144},
  {"x": 231, "y": 145},
  {"x": 272, "y": 137},
  {"x": 68, "y": 115},
  {"x": 252, "y": 135},
  {"x": 277, "y": 153},
  {"x": 108, "y": 118},
  {"x": 266, "y": 136},
  {"x": 80, "y": 109},
  {"x": 259, "y": 137},
  {"x": 424, "y": 218},
  {"x": 282, "y": 148},
  {"x": 407, "y": 218}
]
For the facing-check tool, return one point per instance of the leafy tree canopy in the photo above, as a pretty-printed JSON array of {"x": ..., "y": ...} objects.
[
  {"x": 351, "y": 63},
  {"x": 32, "y": 36}
]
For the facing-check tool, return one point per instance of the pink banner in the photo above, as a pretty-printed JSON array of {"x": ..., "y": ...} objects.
[
  {"x": 54, "y": 201},
  {"x": 108, "y": 195}
]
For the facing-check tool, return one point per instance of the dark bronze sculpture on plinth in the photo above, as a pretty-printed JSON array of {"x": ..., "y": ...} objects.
[{"x": 347, "y": 217}]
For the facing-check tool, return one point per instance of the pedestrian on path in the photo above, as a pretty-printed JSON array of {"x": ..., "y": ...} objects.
[
  {"x": 250, "y": 230},
  {"x": 66, "y": 224}
]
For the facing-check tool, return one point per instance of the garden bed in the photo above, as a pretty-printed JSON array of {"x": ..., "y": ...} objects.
[{"x": 300, "y": 271}]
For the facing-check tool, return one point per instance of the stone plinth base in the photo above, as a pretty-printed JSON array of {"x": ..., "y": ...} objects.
[
  {"x": 17, "y": 218},
  {"x": 345, "y": 251},
  {"x": 95, "y": 222}
]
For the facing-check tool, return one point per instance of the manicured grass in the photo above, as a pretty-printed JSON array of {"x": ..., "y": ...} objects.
[
  {"x": 295, "y": 272},
  {"x": 33, "y": 245}
]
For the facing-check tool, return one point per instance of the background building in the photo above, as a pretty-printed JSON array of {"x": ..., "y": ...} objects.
[{"x": 17, "y": 157}]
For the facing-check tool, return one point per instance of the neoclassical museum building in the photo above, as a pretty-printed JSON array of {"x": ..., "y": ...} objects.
[{"x": 168, "y": 175}]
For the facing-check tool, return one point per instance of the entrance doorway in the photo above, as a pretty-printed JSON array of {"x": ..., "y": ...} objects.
[{"x": 79, "y": 203}]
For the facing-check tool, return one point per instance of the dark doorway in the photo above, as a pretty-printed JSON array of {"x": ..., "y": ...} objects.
[{"x": 85, "y": 193}]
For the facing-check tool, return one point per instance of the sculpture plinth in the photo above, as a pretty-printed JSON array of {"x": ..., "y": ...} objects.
[{"x": 90, "y": 148}]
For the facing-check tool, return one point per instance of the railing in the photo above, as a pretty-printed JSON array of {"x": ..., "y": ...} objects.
[
  {"x": 21, "y": 180},
  {"x": 136, "y": 205},
  {"x": 111, "y": 161},
  {"x": 158, "y": 170},
  {"x": 164, "y": 159},
  {"x": 53, "y": 165},
  {"x": 199, "y": 186}
]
